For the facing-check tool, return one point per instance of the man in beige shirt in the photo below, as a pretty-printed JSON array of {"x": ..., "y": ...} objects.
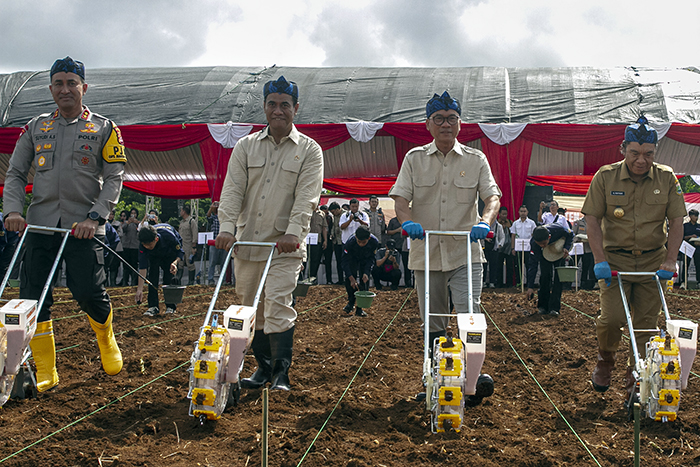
[
  {"x": 443, "y": 180},
  {"x": 271, "y": 189},
  {"x": 188, "y": 232}
]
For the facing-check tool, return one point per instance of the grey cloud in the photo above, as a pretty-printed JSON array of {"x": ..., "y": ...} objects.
[
  {"x": 424, "y": 34},
  {"x": 106, "y": 34}
]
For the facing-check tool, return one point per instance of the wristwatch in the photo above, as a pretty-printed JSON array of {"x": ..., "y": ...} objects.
[{"x": 95, "y": 216}]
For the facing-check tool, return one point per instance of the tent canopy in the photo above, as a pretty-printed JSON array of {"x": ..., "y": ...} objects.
[{"x": 528, "y": 121}]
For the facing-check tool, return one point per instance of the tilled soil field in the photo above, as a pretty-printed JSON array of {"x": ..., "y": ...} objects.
[{"x": 352, "y": 403}]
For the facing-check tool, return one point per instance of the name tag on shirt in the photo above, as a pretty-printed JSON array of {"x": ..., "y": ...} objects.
[{"x": 617, "y": 193}]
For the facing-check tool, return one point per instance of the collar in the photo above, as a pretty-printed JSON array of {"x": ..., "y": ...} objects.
[
  {"x": 85, "y": 115},
  {"x": 294, "y": 135},
  {"x": 432, "y": 148},
  {"x": 625, "y": 174}
]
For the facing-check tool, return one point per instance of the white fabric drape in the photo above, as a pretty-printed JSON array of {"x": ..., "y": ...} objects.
[
  {"x": 363, "y": 131},
  {"x": 228, "y": 134},
  {"x": 502, "y": 133},
  {"x": 661, "y": 128}
]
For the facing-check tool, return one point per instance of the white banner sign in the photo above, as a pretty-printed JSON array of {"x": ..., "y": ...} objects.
[
  {"x": 522, "y": 244},
  {"x": 312, "y": 239},
  {"x": 204, "y": 237},
  {"x": 687, "y": 249},
  {"x": 576, "y": 249}
]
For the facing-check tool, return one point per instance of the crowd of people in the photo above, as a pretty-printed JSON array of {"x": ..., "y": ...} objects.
[{"x": 271, "y": 193}]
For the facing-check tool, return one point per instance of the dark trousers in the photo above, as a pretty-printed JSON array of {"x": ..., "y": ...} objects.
[
  {"x": 85, "y": 273},
  {"x": 338, "y": 250},
  {"x": 131, "y": 255},
  {"x": 112, "y": 264},
  {"x": 6, "y": 258},
  {"x": 380, "y": 274},
  {"x": 588, "y": 279},
  {"x": 328, "y": 262},
  {"x": 510, "y": 272},
  {"x": 351, "y": 292},
  {"x": 315, "y": 253},
  {"x": 549, "y": 296},
  {"x": 407, "y": 273},
  {"x": 492, "y": 262},
  {"x": 154, "y": 275}
]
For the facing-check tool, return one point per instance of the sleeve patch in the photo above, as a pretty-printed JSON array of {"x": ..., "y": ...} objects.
[{"x": 113, "y": 151}]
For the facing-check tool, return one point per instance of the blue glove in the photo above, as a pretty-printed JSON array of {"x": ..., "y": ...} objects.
[
  {"x": 414, "y": 230},
  {"x": 602, "y": 271},
  {"x": 665, "y": 275},
  {"x": 480, "y": 231}
]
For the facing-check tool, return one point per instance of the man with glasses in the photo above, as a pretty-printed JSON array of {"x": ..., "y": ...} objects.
[{"x": 444, "y": 180}]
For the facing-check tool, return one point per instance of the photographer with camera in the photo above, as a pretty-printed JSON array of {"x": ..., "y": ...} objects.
[
  {"x": 352, "y": 219},
  {"x": 150, "y": 219},
  {"x": 386, "y": 267}
]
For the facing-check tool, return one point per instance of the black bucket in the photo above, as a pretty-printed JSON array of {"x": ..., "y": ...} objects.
[{"x": 172, "y": 294}]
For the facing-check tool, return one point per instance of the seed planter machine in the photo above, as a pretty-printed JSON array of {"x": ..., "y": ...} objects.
[
  {"x": 18, "y": 320},
  {"x": 451, "y": 374},
  {"x": 660, "y": 377},
  {"x": 219, "y": 352}
]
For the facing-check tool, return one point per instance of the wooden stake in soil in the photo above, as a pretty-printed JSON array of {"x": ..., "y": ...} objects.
[
  {"x": 636, "y": 434},
  {"x": 265, "y": 420}
]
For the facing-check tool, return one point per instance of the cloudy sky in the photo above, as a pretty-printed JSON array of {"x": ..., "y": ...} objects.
[{"x": 417, "y": 33}]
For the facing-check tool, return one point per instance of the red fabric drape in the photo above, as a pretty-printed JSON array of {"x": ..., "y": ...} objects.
[
  {"x": 8, "y": 139},
  {"x": 360, "y": 185},
  {"x": 574, "y": 137},
  {"x": 163, "y": 137},
  {"x": 593, "y": 160},
  {"x": 417, "y": 134},
  {"x": 215, "y": 159},
  {"x": 327, "y": 135},
  {"x": 402, "y": 147},
  {"x": 509, "y": 166},
  {"x": 174, "y": 190},
  {"x": 684, "y": 133},
  {"x": 572, "y": 184}
]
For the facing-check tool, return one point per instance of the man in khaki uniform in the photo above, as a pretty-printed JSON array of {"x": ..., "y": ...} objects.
[
  {"x": 188, "y": 232},
  {"x": 318, "y": 226},
  {"x": 626, "y": 208},
  {"x": 444, "y": 180},
  {"x": 271, "y": 189}
]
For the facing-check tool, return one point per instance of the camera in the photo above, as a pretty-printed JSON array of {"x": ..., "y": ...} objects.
[
  {"x": 356, "y": 216},
  {"x": 390, "y": 245},
  {"x": 151, "y": 216}
]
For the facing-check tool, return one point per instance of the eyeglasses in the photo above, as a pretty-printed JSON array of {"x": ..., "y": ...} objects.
[{"x": 440, "y": 119}]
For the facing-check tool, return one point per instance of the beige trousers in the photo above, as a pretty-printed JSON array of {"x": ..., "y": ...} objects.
[{"x": 275, "y": 312}]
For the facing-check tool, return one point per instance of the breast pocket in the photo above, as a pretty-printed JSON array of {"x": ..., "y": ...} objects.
[
  {"x": 656, "y": 205},
  {"x": 614, "y": 201},
  {"x": 43, "y": 159},
  {"x": 85, "y": 155},
  {"x": 424, "y": 189},
  {"x": 289, "y": 174},
  {"x": 465, "y": 190}
]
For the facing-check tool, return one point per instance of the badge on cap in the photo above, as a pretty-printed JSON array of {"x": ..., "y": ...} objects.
[{"x": 619, "y": 212}]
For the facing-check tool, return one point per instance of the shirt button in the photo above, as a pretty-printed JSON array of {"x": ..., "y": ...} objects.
[
  {"x": 268, "y": 180},
  {"x": 443, "y": 200},
  {"x": 256, "y": 232},
  {"x": 259, "y": 214},
  {"x": 443, "y": 220},
  {"x": 272, "y": 163},
  {"x": 263, "y": 197},
  {"x": 275, "y": 148},
  {"x": 444, "y": 183}
]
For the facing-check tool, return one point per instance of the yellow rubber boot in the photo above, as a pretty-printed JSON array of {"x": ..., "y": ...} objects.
[
  {"x": 109, "y": 350},
  {"x": 43, "y": 347}
]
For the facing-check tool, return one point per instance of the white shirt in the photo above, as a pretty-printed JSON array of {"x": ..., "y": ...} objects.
[
  {"x": 548, "y": 218},
  {"x": 523, "y": 229},
  {"x": 349, "y": 231}
]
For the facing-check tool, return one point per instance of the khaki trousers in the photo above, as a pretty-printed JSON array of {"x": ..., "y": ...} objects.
[
  {"x": 642, "y": 297},
  {"x": 275, "y": 312},
  {"x": 456, "y": 281}
]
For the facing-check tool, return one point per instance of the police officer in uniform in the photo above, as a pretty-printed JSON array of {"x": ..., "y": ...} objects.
[
  {"x": 161, "y": 247},
  {"x": 626, "y": 208},
  {"x": 79, "y": 161}
]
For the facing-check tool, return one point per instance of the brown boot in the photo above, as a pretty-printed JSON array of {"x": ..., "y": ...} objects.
[{"x": 602, "y": 372}]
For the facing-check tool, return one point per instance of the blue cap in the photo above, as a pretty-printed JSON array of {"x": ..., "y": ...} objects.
[
  {"x": 444, "y": 102},
  {"x": 69, "y": 66},
  {"x": 281, "y": 86},
  {"x": 641, "y": 132}
]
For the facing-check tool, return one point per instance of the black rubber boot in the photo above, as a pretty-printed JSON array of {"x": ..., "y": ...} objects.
[
  {"x": 191, "y": 277},
  {"x": 484, "y": 388},
  {"x": 261, "y": 350},
  {"x": 281, "y": 344}
]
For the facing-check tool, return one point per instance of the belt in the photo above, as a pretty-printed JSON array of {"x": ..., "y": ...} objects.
[{"x": 636, "y": 252}]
